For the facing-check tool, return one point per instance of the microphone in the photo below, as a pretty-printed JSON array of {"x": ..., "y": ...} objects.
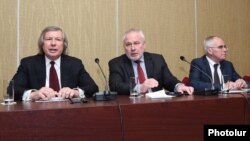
[
  {"x": 212, "y": 91},
  {"x": 107, "y": 90},
  {"x": 107, "y": 94}
]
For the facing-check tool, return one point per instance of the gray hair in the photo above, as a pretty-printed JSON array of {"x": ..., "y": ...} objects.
[
  {"x": 208, "y": 42},
  {"x": 133, "y": 30},
  {"x": 48, "y": 29}
]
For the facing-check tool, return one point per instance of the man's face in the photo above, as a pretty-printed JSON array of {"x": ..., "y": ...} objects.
[
  {"x": 53, "y": 44},
  {"x": 134, "y": 46},
  {"x": 218, "y": 50}
]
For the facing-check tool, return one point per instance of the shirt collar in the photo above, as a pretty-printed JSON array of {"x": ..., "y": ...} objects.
[
  {"x": 141, "y": 59},
  {"x": 211, "y": 62},
  {"x": 57, "y": 61}
]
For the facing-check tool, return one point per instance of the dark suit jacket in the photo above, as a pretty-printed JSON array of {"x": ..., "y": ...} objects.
[
  {"x": 121, "y": 70},
  {"x": 200, "y": 81},
  {"x": 31, "y": 74}
]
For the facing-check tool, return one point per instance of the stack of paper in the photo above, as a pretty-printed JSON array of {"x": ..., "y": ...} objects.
[
  {"x": 239, "y": 91},
  {"x": 53, "y": 99},
  {"x": 158, "y": 94}
]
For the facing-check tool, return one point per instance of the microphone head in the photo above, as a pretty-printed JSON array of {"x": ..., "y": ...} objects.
[
  {"x": 182, "y": 58},
  {"x": 97, "y": 60}
]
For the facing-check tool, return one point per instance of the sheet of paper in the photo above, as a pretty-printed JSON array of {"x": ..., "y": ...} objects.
[
  {"x": 239, "y": 91},
  {"x": 53, "y": 99},
  {"x": 158, "y": 94}
]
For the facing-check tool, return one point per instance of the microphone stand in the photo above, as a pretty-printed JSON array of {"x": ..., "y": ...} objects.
[{"x": 106, "y": 94}]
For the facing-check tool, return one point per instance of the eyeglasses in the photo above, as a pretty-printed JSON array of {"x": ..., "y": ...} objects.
[{"x": 221, "y": 47}]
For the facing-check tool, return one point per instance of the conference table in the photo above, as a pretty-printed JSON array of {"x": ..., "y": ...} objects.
[{"x": 122, "y": 119}]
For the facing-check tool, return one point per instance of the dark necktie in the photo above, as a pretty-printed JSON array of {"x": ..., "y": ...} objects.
[
  {"x": 216, "y": 76},
  {"x": 53, "y": 79}
]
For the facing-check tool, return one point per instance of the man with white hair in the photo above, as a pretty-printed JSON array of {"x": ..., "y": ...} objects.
[
  {"x": 150, "y": 68},
  {"x": 214, "y": 64}
]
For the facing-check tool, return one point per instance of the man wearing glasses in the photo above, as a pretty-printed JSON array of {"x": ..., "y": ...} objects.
[{"x": 214, "y": 64}]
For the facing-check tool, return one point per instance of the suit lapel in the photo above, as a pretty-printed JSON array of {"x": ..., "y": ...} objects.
[
  {"x": 128, "y": 67},
  {"x": 40, "y": 69},
  {"x": 223, "y": 68},
  {"x": 63, "y": 69},
  {"x": 207, "y": 66},
  {"x": 149, "y": 65}
]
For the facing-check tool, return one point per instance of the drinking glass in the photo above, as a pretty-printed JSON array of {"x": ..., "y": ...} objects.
[
  {"x": 134, "y": 90},
  {"x": 224, "y": 84},
  {"x": 8, "y": 92}
]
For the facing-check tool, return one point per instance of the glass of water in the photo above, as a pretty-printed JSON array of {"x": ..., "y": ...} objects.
[
  {"x": 133, "y": 86},
  {"x": 8, "y": 92},
  {"x": 225, "y": 83}
]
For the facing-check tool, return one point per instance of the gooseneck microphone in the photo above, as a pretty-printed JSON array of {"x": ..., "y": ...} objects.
[
  {"x": 107, "y": 94},
  {"x": 212, "y": 91},
  {"x": 211, "y": 80},
  {"x": 107, "y": 90}
]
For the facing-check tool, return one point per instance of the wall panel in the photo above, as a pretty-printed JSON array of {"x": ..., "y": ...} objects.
[
  {"x": 95, "y": 27},
  {"x": 89, "y": 24},
  {"x": 8, "y": 40},
  {"x": 169, "y": 27},
  {"x": 228, "y": 19}
]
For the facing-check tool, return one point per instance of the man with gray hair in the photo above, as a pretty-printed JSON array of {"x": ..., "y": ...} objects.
[
  {"x": 151, "y": 69},
  {"x": 214, "y": 64}
]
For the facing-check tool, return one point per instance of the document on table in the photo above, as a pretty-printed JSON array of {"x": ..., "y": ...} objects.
[
  {"x": 239, "y": 91},
  {"x": 53, "y": 99},
  {"x": 158, "y": 94}
]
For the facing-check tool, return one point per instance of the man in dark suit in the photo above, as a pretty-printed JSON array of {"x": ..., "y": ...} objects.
[
  {"x": 216, "y": 52},
  {"x": 32, "y": 79},
  {"x": 155, "y": 70}
]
